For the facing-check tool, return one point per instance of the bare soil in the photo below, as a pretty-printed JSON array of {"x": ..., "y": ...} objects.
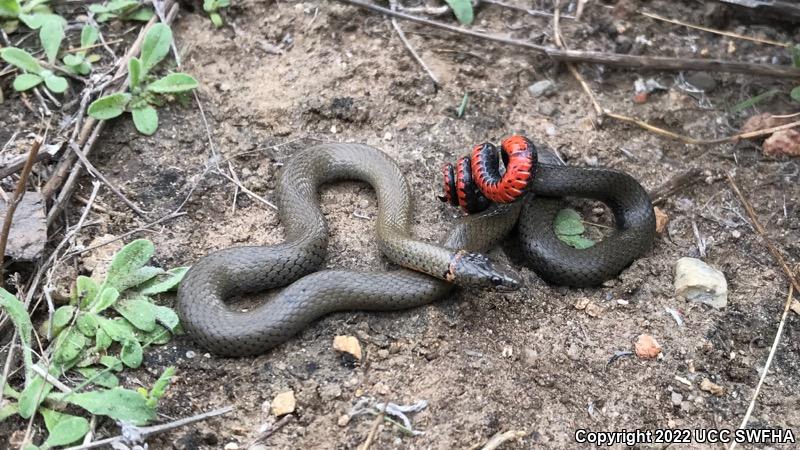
[{"x": 484, "y": 362}]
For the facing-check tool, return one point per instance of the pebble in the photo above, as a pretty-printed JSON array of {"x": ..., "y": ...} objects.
[
  {"x": 542, "y": 88},
  {"x": 646, "y": 347},
  {"x": 343, "y": 420},
  {"x": 594, "y": 310},
  {"x": 258, "y": 447},
  {"x": 676, "y": 398},
  {"x": 698, "y": 282},
  {"x": 231, "y": 446},
  {"x": 266, "y": 407},
  {"x": 709, "y": 386},
  {"x": 348, "y": 345},
  {"x": 190, "y": 354},
  {"x": 283, "y": 403},
  {"x": 383, "y": 353},
  {"x": 702, "y": 81},
  {"x": 662, "y": 219},
  {"x": 387, "y": 137},
  {"x": 547, "y": 109},
  {"x": 330, "y": 392}
]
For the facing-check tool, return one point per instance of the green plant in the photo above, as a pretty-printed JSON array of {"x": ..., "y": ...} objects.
[
  {"x": 569, "y": 229},
  {"x": 795, "y": 93},
  {"x": 81, "y": 61},
  {"x": 462, "y": 10},
  {"x": 90, "y": 340},
  {"x": 212, "y": 7},
  {"x": 145, "y": 91},
  {"x": 121, "y": 9},
  {"x": 462, "y": 108},
  {"x": 33, "y": 73},
  {"x": 14, "y": 11}
]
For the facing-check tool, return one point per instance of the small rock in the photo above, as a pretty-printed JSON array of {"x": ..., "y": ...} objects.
[
  {"x": 795, "y": 307},
  {"x": 784, "y": 142},
  {"x": 662, "y": 219},
  {"x": 343, "y": 420},
  {"x": 763, "y": 121},
  {"x": 381, "y": 388},
  {"x": 542, "y": 88},
  {"x": 266, "y": 407},
  {"x": 231, "y": 446},
  {"x": 330, "y": 392},
  {"x": 702, "y": 81},
  {"x": 28, "y": 234},
  {"x": 698, "y": 282},
  {"x": 709, "y": 386},
  {"x": 547, "y": 109},
  {"x": 530, "y": 356},
  {"x": 676, "y": 399},
  {"x": 387, "y": 137},
  {"x": 348, "y": 345},
  {"x": 283, "y": 403},
  {"x": 582, "y": 303},
  {"x": 594, "y": 310},
  {"x": 258, "y": 447},
  {"x": 190, "y": 354},
  {"x": 383, "y": 353},
  {"x": 646, "y": 347},
  {"x": 640, "y": 98}
]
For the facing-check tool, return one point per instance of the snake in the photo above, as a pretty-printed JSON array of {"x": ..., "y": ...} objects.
[
  {"x": 477, "y": 181},
  {"x": 428, "y": 271}
]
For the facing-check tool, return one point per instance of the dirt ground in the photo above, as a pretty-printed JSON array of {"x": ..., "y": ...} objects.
[{"x": 484, "y": 362}]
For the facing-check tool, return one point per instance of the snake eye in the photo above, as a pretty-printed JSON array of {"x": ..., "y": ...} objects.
[{"x": 496, "y": 281}]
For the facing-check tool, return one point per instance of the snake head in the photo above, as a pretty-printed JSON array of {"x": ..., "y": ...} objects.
[{"x": 476, "y": 270}]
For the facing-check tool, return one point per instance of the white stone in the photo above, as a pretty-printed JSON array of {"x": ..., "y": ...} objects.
[{"x": 698, "y": 282}]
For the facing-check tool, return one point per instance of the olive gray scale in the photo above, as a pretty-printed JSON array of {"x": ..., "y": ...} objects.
[{"x": 222, "y": 274}]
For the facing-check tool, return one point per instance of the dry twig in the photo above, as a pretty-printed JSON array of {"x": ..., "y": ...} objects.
[
  {"x": 411, "y": 50},
  {"x": 711, "y": 30}
]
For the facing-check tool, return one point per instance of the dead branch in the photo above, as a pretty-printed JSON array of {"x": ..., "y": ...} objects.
[{"x": 610, "y": 59}]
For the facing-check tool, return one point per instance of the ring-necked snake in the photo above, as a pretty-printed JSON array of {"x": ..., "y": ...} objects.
[{"x": 431, "y": 270}]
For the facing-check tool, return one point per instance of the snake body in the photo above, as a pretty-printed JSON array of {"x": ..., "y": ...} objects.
[
  {"x": 430, "y": 270},
  {"x": 218, "y": 276}
]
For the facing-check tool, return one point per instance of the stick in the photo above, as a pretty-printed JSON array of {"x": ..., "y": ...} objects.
[
  {"x": 374, "y": 429},
  {"x": 155, "y": 429},
  {"x": 763, "y": 234},
  {"x": 500, "y": 438},
  {"x": 610, "y": 59},
  {"x": 711, "y": 30},
  {"x": 411, "y": 50},
  {"x": 18, "y": 163},
  {"x": 772, "y": 351},
  {"x": 11, "y": 207}
]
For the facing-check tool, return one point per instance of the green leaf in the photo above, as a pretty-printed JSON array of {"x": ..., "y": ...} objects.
[
  {"x": 51, "y": 34},
  {"x": 167, "y": 317},
  {"x": 62, "y": 317},
  {"x": 22, "y": 322},
  {"x": 102, "y": 340},
  {"x": 141, "y": 15},
  {"x": 85, "y": 290},
  {"x": 160, "y": 335},
  {"x": 33, "y": 394},
  {"x": 106, "y": 298},
  {"x": 88, "y": 324},
  {"x": 134, "y": 72},
  {"x": 741, "y": 106},
  {"x": 25, "y": 81},
  {"x": 131, "y": 354},
  {"x": 127, "y": 261},
  {"x": 117, "y": 403},
  {"x": 110, "y": 106},
  {"x": 795, "y": 94},
  {"x": 68, "y": 345},
  {"x": 63, "y": 428},
  {"x": 36, "y": 20},
  {"x": 99, "y": 377},
  {"x": 160, "y": 387},
  {"x": 73, "y": 60},
  {"x": 139, "y": 312},
  {"x": 568, "y": 223},
  {"x": 8, "y": 410},
  {"x": 20, "y": 58},
  {"x": 462, "y": 9},
  {"x": 56, "y": 83},
  {"x": 141, "y": 275},
  {"x": 89, "y": 35},
  {"x": 118, "y": 330},
  {"x": 569, "y": 229},
  {"x": 9, "y": 9},
  {"x": 216, "y": 19},
  {"x": 796, "y": 56},
  {"x": 111, "y": 362},
  {"x": 155, "y": 46},
  {"x": 463, "y": 107},
  {"x": 145, "y": 119},
  {"x": 163, "y": 283},
  {"x": 173, "y": 83}
]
